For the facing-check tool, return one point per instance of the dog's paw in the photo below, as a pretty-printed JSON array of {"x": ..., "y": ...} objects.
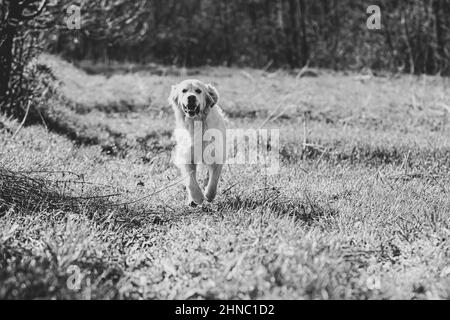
[
  {"x": 191, "y": 204},
  {"x": 209, "y": 197},
  {"x": 198, "y": 198}
]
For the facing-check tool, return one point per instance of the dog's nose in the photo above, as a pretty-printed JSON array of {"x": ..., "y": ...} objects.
[{"x": 192, "y": 99}]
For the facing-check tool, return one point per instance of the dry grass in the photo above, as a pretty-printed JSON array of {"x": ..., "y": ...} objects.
[{"x": 362, "y": 213}]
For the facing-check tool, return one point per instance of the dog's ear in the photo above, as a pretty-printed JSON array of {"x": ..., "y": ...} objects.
[
  {"x": 173, "y": 97},
  {"x": 212, "y": 96}
]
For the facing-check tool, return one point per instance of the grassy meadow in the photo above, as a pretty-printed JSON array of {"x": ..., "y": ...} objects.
[{"x": 362, "y": 211}]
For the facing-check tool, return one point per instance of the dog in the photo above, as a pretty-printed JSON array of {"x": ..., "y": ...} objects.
[{"x": 200, "y": 133}]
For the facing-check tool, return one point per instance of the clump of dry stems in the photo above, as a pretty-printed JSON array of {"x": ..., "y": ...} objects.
[{"x": 30, "y": 191}]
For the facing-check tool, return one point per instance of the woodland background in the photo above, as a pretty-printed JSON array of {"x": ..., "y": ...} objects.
[
  {"x": 325, "y": 33},
  {"x": 333, "y": 34},
  {"x": 269, "y": 34}
]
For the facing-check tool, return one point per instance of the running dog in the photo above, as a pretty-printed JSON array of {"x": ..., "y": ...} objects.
[{"x": 200, "y": 126}]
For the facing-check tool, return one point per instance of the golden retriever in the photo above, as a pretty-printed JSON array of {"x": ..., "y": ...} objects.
[{"x": 200, "y": 137}]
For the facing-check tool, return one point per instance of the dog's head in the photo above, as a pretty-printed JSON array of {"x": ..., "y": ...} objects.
[{"x": 193, "y": 97}]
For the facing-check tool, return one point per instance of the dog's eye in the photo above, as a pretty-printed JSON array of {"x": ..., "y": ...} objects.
[
  {"x": 184, "y": 90},
  {"x": 198, "y": 91}
]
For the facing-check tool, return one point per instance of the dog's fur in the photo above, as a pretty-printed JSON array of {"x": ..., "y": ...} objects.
[{"x": 195, "y": 103}]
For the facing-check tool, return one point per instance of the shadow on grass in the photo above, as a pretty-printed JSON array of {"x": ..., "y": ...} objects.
[
  {"x": 25, "y": 275},
  {"x": 302, "y": 209},
  {"x": 366, "y": 154}
]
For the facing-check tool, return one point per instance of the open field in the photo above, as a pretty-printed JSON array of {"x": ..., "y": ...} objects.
[{"x": 361, "y": 212}]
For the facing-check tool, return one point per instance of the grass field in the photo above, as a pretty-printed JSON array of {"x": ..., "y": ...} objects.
[{"x": 361, "y": 212}]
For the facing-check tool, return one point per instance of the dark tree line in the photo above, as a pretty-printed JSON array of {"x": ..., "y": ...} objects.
[{"x": 415, "y": 34}]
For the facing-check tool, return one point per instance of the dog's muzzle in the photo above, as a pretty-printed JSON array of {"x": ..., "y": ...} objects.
[{"x": 191, "y": 109}]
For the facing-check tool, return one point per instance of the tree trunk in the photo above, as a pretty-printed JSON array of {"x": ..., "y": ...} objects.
[
  {"x": 387, "y": 31},
  {"x": 5, "y": 64},
  {"x": 12, "y": 15},
  {"x": 6, "y": 48},
  {"x": 294, "y": 33},
  {"x": 439, "y": 32},
  {"x": 305, "y": 47},
  {"x": 279, "y": 9},
  {"x": 337, "y": 32},
  {"x": 412, "y": 67}
]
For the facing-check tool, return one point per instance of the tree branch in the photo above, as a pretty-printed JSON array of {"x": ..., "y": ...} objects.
[{"x": 34, "y": 14}]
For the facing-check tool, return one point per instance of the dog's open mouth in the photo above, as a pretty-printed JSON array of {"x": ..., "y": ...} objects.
[{"x": 191, "y": 110}]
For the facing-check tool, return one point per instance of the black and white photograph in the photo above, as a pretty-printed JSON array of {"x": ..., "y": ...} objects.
[{"x": 236, "y": 151}]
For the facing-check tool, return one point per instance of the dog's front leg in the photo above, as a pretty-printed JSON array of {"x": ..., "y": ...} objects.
[
  {"x": 195, "y": 195},
  {"x": 214, "y": 171}
]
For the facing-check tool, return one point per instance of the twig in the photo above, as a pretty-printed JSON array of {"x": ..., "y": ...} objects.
[
  {"x": 304, "y": 136},
  {"x": 78, "y": 175},
  {"x": 153, "y": 193},
  {"x": 414, "y": 175},
  {"x": 99, "y": 197},
  {"x": 23, "y": 121},
  {"x": 274, "y": 111},
  {"x": 229, "y": 188},
  {"x": 405, "y": 162},
  {"x": 302, "y": 71}
]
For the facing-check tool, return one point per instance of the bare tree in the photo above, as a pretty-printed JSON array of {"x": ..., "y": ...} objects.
[
  {"x": 305, "y": 47},
  {"x": 440, "y": 32},
  {"x": 14, "y": 14}
]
